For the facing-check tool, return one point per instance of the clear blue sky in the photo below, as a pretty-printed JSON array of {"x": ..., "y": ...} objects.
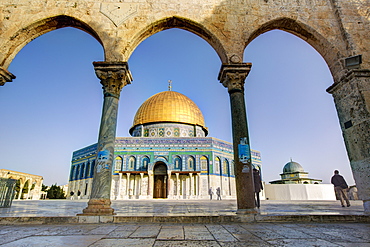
[{"x": 54, "y": 105}]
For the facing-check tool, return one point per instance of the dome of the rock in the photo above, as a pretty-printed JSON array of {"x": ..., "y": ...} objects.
[{"x": 168, "y": 107}]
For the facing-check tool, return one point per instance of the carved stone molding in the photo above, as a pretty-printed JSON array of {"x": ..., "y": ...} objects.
[
  {"x": 114, "y": 76},
  {"x": 5, "y": 76},
  {"x": 232, "y": 76}
]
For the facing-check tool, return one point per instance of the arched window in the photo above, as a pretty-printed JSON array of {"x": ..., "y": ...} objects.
[
  {"x": 118, "y": 163},
  {"x": 131, "y": 163},
  {"x": 217, "y": 165},
  {"x": 225, "y": 167},
  {"x": 145, "y": 163},
  {"x": 191, "y": 163},
  {"x": 203, "y": 163},
  {"x": 177, "y": 163}
]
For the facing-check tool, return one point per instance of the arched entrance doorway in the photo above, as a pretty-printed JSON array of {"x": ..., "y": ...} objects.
[{"x": 160, "y": 180}]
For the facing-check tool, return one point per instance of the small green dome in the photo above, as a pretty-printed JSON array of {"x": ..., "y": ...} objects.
[{"x": 292, "y": 166}]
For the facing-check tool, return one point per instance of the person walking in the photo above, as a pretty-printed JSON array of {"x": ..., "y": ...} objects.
[
  {"x": 72, "y": 193},
  {"x": 257, "y": 186},
  {"x": 210, "y": 192},
  {"x": 78, "y": 194},
  {"x": 340, "y": 188},
  {"x": 218, "y": 193}
]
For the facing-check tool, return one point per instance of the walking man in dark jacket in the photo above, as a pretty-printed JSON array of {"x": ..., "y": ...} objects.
[{"x": 340, "y": 187}]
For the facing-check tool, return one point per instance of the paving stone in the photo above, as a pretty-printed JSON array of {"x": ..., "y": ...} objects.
[
  {"x": 12, "y": 237},
  {"x": 171, "y": 233},
  {"x": 302, "y": 242},
  {"x": 119, "y": 234},
  {"x": 186, "y": 243},
  {"x": 266, "y": 234},
  {"x": 103, "y": 229},
  {"x": 79, "y": 229},
  {"x": 146, "y": 232},
  {"x": 51, "y": 231},
  {"x": 124, "y": 242},
  {"x": 54, "y": 241},
  {"x": 244, "y": 244},
  {"x": 354, "y": 244},
  {"x": 198, "y": 232},
  {"x": 220, "y": 233}
]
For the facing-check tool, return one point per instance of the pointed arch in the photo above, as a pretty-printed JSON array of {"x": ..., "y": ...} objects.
[
  {"x": 181, "y": 23},
  {"x": 26, "y": 34},
  {"x": 331, "y": 54}
]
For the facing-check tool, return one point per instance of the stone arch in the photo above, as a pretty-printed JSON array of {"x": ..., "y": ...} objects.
[
  {"x": 26, "y": 34},
  {"x": 331, "y": 54},
  {"x": 181, "y": 23}
]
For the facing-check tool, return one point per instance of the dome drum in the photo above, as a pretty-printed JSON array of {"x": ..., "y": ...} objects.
[{"x": 168, "y": 130}]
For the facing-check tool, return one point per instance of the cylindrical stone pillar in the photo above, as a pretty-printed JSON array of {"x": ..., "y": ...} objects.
[
  {"x": 113, "y": 76},
  {"x": 232, "y": 76},
  {"x": 352, "y": 99}
]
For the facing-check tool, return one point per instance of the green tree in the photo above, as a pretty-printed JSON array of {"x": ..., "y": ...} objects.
[
  {"x": 55, "y": 192},
  {"x": 44, "y": 188},
  {"x": 17, "y": 188},
  {"x": 25, "y": 190}
]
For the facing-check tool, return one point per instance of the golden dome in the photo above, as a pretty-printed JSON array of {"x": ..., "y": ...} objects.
[{"x": 169, "y": 106}]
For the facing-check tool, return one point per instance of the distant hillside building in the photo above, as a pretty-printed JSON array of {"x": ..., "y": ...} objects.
[
  {"x": 168, "y": 156},
  {"x": 293, "y": 173}
]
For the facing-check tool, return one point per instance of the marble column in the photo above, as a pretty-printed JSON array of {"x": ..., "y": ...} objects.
[
  {"x": 352, "y": 100},
  {"x": 150, "y": 184},
  {"x": 191, "y": 187},
  {"x": 169, "y": 185},
  {"x": 178, "y": 185},
  {"x": 119, "y": 186},
  {"x": 141, "y": 185},
  {"x": 113, "y": 76},
  {"x": 128, "y": 185},
  {"x": 5, "y": 76},
  {"x": 232, "y": 76}
]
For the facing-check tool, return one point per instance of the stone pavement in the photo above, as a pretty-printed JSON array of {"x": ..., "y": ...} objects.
[
  {"x": 183, "y": 211},
  {"x": 166, "y": 223},
  {"x": 228, "y": 234}
]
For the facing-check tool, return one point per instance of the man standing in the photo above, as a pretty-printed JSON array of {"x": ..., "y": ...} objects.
[
  {"x": 257, "y": 186},
  {"x": 340, "y": 187},
  {"x": 218, "y": 193},
  {"x": 210, "y": 192}
]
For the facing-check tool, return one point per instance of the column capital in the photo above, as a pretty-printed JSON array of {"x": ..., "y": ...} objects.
[
  {"x": 354, "y": 73},
  {"x": 5, "y": 76},
  {"x": 113, "y": 76},
  {"x": 232, "y": 76}
]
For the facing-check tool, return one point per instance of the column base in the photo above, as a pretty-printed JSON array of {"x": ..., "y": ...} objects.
[
  {"x": 97, "y": 207},
  {"x": 247, "y": 211}
]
